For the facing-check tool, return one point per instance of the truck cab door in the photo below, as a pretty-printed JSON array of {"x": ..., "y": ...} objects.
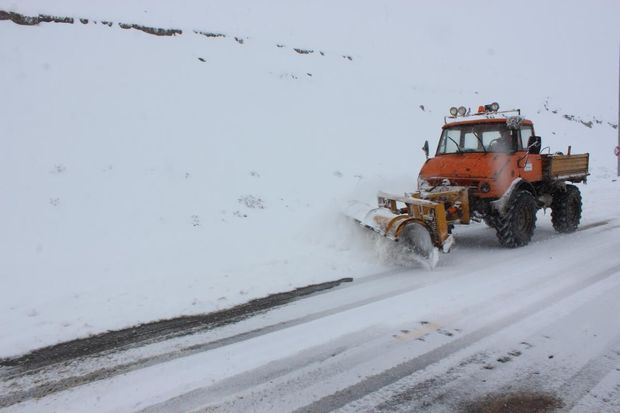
[{"x": 529, "y": 165}]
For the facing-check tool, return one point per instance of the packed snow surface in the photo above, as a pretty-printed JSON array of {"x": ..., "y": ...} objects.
[{"x": 145, "y": 177}]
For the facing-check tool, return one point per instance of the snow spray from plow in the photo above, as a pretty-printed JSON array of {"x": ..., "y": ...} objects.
[{"x": 418, "y": 220}]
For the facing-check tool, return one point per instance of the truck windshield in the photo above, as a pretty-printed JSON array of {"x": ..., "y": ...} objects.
[{"x": 494, "y": 137}]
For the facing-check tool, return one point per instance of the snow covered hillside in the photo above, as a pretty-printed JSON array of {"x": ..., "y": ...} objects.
[{"x": 144, "y": 177}]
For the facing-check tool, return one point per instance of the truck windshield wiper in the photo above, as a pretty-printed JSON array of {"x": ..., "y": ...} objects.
[
  {"x": 480, "y": 140},
  {"x": 458, "y": 148}
]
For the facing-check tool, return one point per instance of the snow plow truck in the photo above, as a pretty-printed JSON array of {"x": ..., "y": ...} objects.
[{"x": 489, "y": 166}]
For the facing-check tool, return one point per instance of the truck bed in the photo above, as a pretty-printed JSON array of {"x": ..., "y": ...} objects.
[{"x": 572, "y": 168}]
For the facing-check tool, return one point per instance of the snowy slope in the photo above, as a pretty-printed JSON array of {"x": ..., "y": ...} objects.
[{"x": 141, "y": 182}]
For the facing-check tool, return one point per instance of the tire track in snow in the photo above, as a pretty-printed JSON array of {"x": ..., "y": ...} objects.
[
  {"x": 226, "y": 390},
  {"x": 376, "y": 382},
  {"x": 528, "y": 358},
  {"x": 580, "y": 384},
  {"x": 71, "y": 380},
  {"x": 57, "y": 385}
]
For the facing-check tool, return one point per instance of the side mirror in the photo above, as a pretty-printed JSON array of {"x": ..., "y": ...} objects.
[
  {"x": 534, "y": 144},
  {"x": 425, "y": 148}
]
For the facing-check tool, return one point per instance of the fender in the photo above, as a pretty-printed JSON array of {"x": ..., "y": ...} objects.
[{"x": 517, "y": 185}]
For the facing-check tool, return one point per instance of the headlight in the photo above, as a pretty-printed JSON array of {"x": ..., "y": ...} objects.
[{"x": 454, "y": 111}]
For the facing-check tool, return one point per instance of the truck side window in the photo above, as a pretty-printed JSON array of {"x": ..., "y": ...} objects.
[{"x": 526, "y": 132}]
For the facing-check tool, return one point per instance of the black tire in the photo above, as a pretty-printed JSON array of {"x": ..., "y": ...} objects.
[
  {"x": 566, "y": 209},
  {"x": 516, "y": 227},
  {"x": 489, "y": 221}
]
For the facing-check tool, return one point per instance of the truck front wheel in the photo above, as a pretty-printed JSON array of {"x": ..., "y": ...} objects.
[
  {"x": 516, "y": 227},
  {"x": 566, "y": 209}
]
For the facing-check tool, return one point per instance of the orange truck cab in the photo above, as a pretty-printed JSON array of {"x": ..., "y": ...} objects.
[
  {"x": 484, "y": 154},
  {"x": 498, "y": 159}
]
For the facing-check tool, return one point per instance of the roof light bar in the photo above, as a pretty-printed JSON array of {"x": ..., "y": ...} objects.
[{"x": 488, "y": 110}]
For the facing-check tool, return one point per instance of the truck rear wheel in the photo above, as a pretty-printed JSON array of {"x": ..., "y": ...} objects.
[
  {"x": 516, "y": 227},
  {"x": 566, "y": 209},
  {"x": 489, "y": 221}
]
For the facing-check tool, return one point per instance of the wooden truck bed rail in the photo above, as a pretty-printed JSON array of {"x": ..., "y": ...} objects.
[{"x": 572, "y": 168}]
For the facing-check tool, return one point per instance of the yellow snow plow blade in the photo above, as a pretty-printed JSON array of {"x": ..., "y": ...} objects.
[{"x": 420, "y": 219}]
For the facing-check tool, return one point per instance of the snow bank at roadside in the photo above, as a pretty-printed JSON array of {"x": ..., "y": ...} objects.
[{"x": 147, "y": 177}]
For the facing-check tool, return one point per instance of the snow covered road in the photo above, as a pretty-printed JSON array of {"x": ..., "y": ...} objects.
[
  {"x": 534, "y": 322},
  {"x": 158, "y": 187}
]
